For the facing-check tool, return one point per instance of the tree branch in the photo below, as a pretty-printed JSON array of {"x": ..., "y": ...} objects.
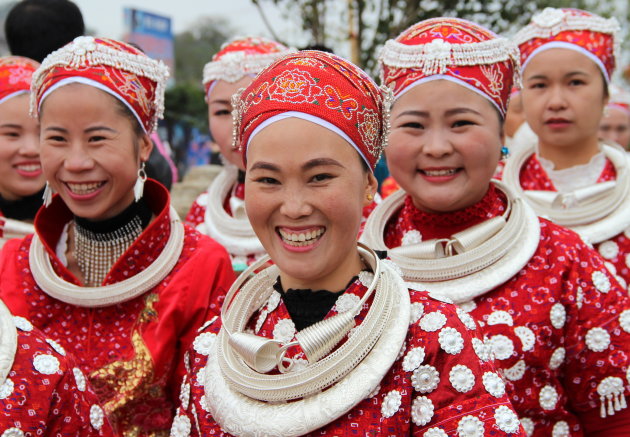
[{"x": 264, "y": 18}]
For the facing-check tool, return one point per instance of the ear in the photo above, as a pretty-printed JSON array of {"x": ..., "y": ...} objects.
[
  {"x": 145, "y": 147},
  {"x": 371, "y": 185}
]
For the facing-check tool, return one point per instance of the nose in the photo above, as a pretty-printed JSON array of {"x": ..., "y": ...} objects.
[
  {"x": 436, "y": 144},
  {"x": 295, "y": 204},
  {"x": 557, "y": 100},
  {"x": 29, "y": 146},
  {"x": 77, "y": 159}
]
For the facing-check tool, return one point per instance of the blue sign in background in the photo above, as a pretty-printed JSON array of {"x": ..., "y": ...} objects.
[
  {"x": 153, "y": 34},
  {"x": 148, "y": 23}
]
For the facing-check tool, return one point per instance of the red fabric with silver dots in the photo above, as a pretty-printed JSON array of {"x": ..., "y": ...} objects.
[
  {"x": 539, "y": 321},
  {"x": 48, "y": 397},
  {"x": 16, "y": 73},
  {"x": 381, "y": 413},
  {"x": 616, "y": 250},
  {"x": 132, "y": 352}
]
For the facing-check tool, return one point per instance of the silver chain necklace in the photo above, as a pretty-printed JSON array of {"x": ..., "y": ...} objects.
[{"x": 96, "y": 253}]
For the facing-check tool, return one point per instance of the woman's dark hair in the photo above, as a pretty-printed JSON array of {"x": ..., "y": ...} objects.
[
  {"x": 605, "y": 82},
  {"x": 35, "y": 28}
]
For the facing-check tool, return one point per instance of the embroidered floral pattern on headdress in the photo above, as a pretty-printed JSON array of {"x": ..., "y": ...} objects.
[
  {"x": 16, "y": 73},
  {"x": 455, "y": 48},
  {"x": 125, "y": 70},
  {"x": 597, "y": 35},
  {"x": 324, "y": 86}
]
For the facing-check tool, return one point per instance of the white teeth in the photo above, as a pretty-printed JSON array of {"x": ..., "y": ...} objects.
[
  {"x": 30, "y": 167},
  {"x": 440, "y": 172},
  {"x": 84, "y": 188},
  {"x": 301, "y": 239}
]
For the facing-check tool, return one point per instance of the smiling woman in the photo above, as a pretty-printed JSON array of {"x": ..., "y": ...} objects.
[
  {"x": 22, "y": 182},
  {"x": 553, "y": 315},
  {"x": 219, "y": 212},
  {"x": 111, "y": 274},
  {"x": 571, "y": 176},
  {"x": 329, "y": 340}
]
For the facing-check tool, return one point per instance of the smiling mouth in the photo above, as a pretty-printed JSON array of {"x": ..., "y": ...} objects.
[
  {"x": 302, "y": 238},
  {"x": 29, "y": 168},
  {"x": 83, "y": 189},
  {"x": 443, "y": 172}
]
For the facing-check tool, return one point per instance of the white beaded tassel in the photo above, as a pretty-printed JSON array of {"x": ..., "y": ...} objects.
[
  {"x": 612, "y": 395},
  {"x": 138, "y": 188},
  {"x": 48, "y": 194}
]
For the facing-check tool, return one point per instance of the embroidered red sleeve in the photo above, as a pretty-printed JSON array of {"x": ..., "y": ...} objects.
[{"x": 598, "y": 336}]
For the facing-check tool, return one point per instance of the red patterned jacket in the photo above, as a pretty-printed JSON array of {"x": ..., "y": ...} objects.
[
  {"x": 45, "y": 393},
  {"x": 132, "y": 351},
  {"x": 442, "y": 383},
  {"x": 559, "y": 329}
]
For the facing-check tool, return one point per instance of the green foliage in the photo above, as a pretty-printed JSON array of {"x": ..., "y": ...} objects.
[
  {"x": 185, "y": 103},
  {"x": 193, "y": 49},
  {"x": 379, "y": 20}
]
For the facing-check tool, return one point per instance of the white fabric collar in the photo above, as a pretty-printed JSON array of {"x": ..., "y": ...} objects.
[{"x": 576, "y": 177}]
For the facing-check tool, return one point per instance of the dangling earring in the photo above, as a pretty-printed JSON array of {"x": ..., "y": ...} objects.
[
  {"x": 138, "y": 188},
  {"x": 605, "y": 112},
  {"x": 48, "y": 195},
  {"x": 505, "y": 152}
]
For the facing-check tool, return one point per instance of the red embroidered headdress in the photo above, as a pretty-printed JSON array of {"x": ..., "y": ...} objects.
[
  {"x": 242, "y": 57},
  {"x": 451, "y": 49},
  {"x": 574, "y": 29},
  {"x": 112, "y": 66},
  {"x": 15, "y": 76},
  {"x": 619, "y": 98},
  {"x": 322, "y": 88}
]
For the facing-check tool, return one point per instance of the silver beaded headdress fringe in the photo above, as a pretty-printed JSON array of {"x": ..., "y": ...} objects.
[{"x": 86, "y": 51}]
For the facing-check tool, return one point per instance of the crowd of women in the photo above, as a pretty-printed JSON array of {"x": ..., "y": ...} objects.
[{"x": 485, "y": 293}]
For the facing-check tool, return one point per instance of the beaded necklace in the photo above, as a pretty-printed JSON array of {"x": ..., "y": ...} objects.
[{"x": 98, "y": 245}]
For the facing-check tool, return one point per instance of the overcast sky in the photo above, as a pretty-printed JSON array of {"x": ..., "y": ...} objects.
[{"x": 106, "y": 17}]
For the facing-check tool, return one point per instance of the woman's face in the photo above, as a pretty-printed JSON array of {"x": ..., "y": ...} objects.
[
  {"x": 615, "y": 127},
  {"x": 305, "y": 191},
  {"x": 220, "y": 117},
  {"x": 444, "y": 145},
  {"x": 89, "y": 150},
  {"x": 19, "y": 150},
  {"x": 563, "y": 97}
]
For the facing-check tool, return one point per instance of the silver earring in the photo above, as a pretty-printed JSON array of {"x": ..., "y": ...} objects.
[
  {"x": 138, "y": 188},
  {"x": 48, "y": 195},
  {"x": 605, "y": 112}
]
